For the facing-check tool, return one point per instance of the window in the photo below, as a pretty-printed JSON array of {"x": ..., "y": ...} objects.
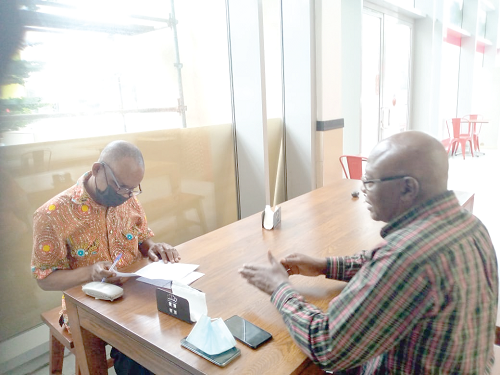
[{"x": 130, "y": 67}]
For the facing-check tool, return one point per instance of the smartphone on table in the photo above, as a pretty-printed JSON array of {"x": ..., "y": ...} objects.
[
  {"x": 221, "y": 359},
  {"x": 247, "y": 332}
]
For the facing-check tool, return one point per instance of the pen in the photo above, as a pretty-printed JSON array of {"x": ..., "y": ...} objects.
[{"x": 113, "y": 265}]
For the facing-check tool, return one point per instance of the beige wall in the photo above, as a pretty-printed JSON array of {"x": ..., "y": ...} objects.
[{"x": 328, "y": 150}]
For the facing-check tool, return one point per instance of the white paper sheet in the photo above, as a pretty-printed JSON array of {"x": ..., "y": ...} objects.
[
  {"x": 123, "y": 274},
  {"x": 191, "y": 277},
  {"x": 166, "y": 271},
  {"x": 188, "y": 279}
]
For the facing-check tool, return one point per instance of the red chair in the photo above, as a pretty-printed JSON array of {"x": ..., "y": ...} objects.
[
  {"x": 354, "y": 164},
  {"x": 447, "y": 142},
  {"x": 476, "y": 129},
  {"x": 460, "y": 137}
]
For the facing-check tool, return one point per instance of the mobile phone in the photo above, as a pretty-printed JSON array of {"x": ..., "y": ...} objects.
[
  {"x": 247, "y": 332},
  {"x": 221, "y": 359}
]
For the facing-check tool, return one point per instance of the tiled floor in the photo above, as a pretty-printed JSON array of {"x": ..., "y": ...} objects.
[{"x": 475, "y": 174}]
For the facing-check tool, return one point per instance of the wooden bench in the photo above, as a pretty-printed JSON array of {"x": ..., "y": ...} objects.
[{"x": 60, "y": 338}]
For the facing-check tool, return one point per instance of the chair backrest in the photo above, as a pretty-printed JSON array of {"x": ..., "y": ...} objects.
[
  {"x": 458, "y": 130},
  {"x": 476, "y": 128},
  {"x": 352, "y": 166},
  {"x": 473, "y": 117}
]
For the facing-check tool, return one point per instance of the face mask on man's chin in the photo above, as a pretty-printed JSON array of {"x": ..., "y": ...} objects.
[{"x": 108, "y": 197}]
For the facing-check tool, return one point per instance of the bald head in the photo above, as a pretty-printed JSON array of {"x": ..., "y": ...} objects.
[
  {"x": 414, "y": 154},
  {"x": 406, "y": 169},
  {"x": 116, "y": 151},
  {"x": 125, "y": 161}
]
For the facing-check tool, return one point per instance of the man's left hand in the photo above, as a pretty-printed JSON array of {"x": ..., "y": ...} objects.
[
  {"x": 266, "y": 278},
  {"x": 163, "y": 251}
]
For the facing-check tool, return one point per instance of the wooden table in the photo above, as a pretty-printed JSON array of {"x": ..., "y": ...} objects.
[{"x": 324, "y": 222}]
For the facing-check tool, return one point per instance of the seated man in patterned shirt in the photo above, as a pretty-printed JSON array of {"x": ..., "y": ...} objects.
[
  {"x": 78, "y": 233},
  {"x": 424, "y": 301}
]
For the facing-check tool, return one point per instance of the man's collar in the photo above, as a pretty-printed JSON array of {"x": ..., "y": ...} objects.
[
  {"x": 421, "y": 210},
  {"x": 80, "y": 194}
]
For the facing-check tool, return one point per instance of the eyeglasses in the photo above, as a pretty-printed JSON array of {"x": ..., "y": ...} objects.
[
  {"x": 368, "y": 184},
  {"x": 121, "y": 190}
]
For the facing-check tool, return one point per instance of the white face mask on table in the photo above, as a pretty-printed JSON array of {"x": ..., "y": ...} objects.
[{"x": 211, "y": 335}]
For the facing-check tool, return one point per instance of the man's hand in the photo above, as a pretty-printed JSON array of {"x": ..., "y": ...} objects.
[
  {"x": 266, "y": 278},
  {"x": 65, "y": 279},
  {"x": 163, "y": 251},
  {"x": 100, "y": 270},
  {"x": 301, "y": 264}
]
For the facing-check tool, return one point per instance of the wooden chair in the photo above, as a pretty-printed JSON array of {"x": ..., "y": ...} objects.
[
  {"x": 60, "y": 338},
  {"x": 352, "y": 165}
]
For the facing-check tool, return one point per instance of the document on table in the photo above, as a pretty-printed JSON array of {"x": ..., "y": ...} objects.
[{"x": 166, "y": 271}]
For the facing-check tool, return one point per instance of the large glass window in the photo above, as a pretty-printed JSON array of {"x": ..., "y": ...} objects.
[
  {"x": 99, "y": 74},
  {"x": 450, "y": 66},
  {"x": 271, "y": 15},
  {"x": 120, "y": 67}
]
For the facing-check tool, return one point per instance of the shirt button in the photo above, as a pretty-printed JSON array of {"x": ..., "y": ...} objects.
[{"x": 111, "y": 231}]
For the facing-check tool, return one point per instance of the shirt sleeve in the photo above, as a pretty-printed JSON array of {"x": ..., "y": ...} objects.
[
  {"x": 344, "y": 268},
  {"x": 363, "y": 321},
  {"x": 49, "y": 248}
]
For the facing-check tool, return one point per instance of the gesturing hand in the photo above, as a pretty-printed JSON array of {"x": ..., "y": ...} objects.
[
  {"x": 301, "y": 264},
  {"x": 266, "y": 278}
]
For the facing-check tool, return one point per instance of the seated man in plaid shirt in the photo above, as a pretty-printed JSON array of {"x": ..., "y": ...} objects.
[{"x": 424, "y": 301}]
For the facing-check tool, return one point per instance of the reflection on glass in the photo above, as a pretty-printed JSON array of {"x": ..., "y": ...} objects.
[
  {"x": 453, "y": 10},
  {"x": 370, "y": 84},
  {"x": 99, "y": 71},
  {"x": 396, "y": 76},
  {"x": 385, "y": 86},
  {"x": 189, "y": 189},
  {"x": 108, "y": 77},
  {"x": 481, "y": 24},
  {"x": 450, "y": 65},
  {"x": 271, "y": 14}
]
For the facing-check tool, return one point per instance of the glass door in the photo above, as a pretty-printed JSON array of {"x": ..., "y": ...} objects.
[{"x": 386, "y": 72}]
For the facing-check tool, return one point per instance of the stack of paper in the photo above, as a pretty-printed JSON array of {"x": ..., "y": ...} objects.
[{"x": 158, "y": 273}]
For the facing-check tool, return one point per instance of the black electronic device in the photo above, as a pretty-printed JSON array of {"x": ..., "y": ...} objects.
[
  {"x": 221, "y": 359},
  {"x": 246, "y": 332}
]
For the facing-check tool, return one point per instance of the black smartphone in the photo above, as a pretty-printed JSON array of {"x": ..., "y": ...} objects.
[
  {"x": 221, "y": 359},
  {"x": 247, "y": 332}
]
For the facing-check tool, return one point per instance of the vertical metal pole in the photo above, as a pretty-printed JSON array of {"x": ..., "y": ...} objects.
[
  {"x": 121, "y": 104},
  {"x": 178, "y": 65}
]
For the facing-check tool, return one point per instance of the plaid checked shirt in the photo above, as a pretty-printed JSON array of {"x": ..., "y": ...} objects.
[{"x": 423, "y": 302}]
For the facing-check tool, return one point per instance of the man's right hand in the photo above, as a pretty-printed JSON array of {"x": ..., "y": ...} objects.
[
  {"x": 301, "y": 264},
  {"x": 100, "y": 270},
  {"x": 65, "y": 279}
]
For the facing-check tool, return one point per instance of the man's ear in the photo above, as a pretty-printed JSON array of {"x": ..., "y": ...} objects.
[
  {"x": 410, "y": 189},
  {"x": 96, "y": 167}
]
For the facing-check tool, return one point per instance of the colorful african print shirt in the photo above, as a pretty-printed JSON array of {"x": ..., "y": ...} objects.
[
  {"x": 423, "y": 302},
  {"x": 71, "y": 230}
]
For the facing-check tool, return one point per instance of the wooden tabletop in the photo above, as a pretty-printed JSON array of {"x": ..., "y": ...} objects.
[{"x": 324, "y": 222}]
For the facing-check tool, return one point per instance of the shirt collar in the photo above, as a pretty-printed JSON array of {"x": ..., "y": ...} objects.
[
  {"x": 440, "y": 204},
  {"x": 80, "y": 194}
]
